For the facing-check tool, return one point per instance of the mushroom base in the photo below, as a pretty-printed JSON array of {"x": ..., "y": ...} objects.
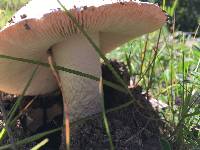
[{"x": 79, "y": 93}]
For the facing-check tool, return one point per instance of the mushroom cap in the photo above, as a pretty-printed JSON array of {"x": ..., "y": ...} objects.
[{"x": 39, "y": 25}]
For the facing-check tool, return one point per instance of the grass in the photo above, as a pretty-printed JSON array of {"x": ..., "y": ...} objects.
[
  {"x": 174, "y": 77},
  {"x": 7, "y": 8},
  {"x": 165, "y": 66}
]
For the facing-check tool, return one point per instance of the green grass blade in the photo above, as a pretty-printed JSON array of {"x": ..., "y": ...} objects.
[
  {"x": 31, "y": 139},
  {"x": 60, "y": 68},
  {"x": 105, "y": 120},
  {"x": 2, "y": 133},
  {"x": 173, "y": 8},
  {"x": 39, "y": 145}
]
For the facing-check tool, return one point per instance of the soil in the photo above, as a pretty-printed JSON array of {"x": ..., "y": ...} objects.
[{"x": 131, "y": 127}]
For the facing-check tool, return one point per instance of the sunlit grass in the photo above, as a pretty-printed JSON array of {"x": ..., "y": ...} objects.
[
  {"x": 8, "y": 8},
  {"x": 175, "y": 79}
]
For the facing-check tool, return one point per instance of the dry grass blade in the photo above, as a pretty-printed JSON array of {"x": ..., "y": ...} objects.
[
  {"x": 66, "y": 110},
  {"x": 23, "y": 111}
]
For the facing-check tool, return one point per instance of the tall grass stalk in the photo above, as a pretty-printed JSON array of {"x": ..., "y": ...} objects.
[
  {"x": 105, "y": 60},
  {"x": 105, "y": 120},
  {"x": 96, "y": 48}
]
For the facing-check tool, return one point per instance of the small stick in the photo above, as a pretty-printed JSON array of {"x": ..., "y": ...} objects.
[{"x": 66, "y": 114}]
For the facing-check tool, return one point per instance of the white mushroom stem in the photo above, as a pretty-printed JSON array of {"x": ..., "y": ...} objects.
[{"x": 82, "y": 94}]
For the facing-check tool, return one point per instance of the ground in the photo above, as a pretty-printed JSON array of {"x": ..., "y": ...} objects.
[{"x": 131, "y": 127}]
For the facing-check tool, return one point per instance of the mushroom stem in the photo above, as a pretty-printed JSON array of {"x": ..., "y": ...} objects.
[{"x": 81, "y": 94}]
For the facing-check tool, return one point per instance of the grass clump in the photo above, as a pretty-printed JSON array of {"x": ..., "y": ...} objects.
[{"x": 174, "y": 79}]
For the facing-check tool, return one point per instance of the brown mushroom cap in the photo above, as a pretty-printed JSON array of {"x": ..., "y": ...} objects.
[{"x": 40, "y": 24}]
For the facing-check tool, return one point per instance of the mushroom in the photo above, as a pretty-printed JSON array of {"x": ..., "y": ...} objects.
[{"x": 42, "y": 25}]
